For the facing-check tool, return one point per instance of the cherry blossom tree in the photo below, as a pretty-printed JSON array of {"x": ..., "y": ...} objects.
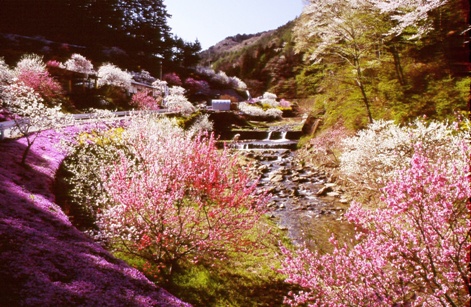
[
  {"x": 410, "y": 252},
  {"x": 410, "y": 14},
  {"x": 31, "y": 70},
  {"x": 343, "y": 32},
  {"x": 80, "y": 64},
  {"x": 177, "y": 102},
  {"x": 109, "y": 74},
  {"x": 178, "y": 198}
]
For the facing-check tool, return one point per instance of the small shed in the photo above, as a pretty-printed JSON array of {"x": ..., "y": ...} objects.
[{"x": 221, "y": 104}]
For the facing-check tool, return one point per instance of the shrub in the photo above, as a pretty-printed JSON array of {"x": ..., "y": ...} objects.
[
  {"x": 412, "y": 251},
  {"x": 285, "y": 104},
  {"x": 202, "y": 124},
  {"x": 177, "y": 102},
  {"x": 197, "y": 86},
  {"x": 255, "y": 111},
  {"x": 269, "y": 101},
  {"x": 274, "y": 113},
  {"x": 144, "y": 101},
  {"x": 177, "y": 198},
  {"x": 95, "y": 148},
  {"x": 172, "y": 79},
  {"x": 109, "y": 74},
  {"x": 31, "y": 71},
  {"x": 80, "y": 64}
]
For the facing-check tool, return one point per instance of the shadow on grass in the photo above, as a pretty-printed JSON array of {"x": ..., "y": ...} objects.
[
  {"x": 229, "y": 286},
  {"x": 44, "y": 260}
]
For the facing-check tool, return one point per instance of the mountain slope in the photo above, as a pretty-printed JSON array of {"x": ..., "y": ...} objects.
[{"x": 264, "y": 61}]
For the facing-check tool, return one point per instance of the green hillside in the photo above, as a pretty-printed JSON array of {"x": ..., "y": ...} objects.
[{"x": 367, "y": 73}]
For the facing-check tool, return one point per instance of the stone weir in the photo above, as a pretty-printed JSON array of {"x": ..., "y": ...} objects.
[
  {"x": 243, "y": 140},
  {"x": 301, "y": 197}
]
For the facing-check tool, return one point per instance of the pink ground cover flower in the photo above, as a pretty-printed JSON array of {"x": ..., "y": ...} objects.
[{"x": 44, "y": 260}]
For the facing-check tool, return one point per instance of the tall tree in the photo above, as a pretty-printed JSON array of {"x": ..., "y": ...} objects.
[
  {"x": 138, "y": 27},
  {"x": 342, "y": 32}
]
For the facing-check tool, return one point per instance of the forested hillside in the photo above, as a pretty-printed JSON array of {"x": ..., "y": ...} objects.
[
  {"x": 356, "y": 61},
  {"x": 265, "y": 61},
  {"x": 131, "y": 34}
]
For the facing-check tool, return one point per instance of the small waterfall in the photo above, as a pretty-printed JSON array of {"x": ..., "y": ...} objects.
[
  {"x": 283, "y": 135},
  {"x": 268, "y": 136}
]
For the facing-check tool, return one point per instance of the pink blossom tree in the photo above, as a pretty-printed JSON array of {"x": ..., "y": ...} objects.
[
  {"x": 172, "y": 79},
  {"x": 144, "y": 101},
  {"x": 178, "y": 198},
  {"x": 32, "y": 72},
  {"x": 410, "y": 252}
]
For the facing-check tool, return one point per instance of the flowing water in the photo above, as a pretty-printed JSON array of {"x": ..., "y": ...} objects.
[{"x": 293, "y": 189}]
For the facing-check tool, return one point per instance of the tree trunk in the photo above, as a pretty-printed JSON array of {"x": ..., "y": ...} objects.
[
  {"x": 27, "y": 149},
  {"x": 365, "y": 100},
  {"x": 361, "y": 86},
  {"x": 397, "y": 65}
]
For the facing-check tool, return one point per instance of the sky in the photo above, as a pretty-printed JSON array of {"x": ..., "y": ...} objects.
[{"x": 211, "y": 21}]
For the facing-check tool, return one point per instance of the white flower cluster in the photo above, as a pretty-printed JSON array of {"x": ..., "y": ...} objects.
[
  {"x": 6, "y": 74},
  {"x": 30, "y": 63},
  {"x": 237, "y": 84},
  {"x": 259, "y": 112},
  {"x": 80, "y": 64},
  {"x": 201, "y": 124},
  {"x": 269, "y": 99},
  {"x": 109, "y": 74},
  {"x": 30, "y": 111},
  {"x": 374, "y": 154},
  {"x": 177, "y": 102}
]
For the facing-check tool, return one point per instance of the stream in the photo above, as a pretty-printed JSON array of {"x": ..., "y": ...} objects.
[{"x": 302, "y": 201}]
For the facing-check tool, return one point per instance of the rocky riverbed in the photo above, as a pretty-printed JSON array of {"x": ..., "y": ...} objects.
[{"x": 302, "y": 199}]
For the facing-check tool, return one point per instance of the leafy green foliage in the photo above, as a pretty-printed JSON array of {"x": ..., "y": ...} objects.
[{"x": 81, "y": 173}]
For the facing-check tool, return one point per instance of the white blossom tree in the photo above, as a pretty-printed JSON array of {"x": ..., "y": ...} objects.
[
  {"x": 109, "y": 74},
  {"x": 80, "y": 64},
  {"x": 177, "y": 102},
  {"x": 409, "y": 14},
  {"x": 342, "y": 32},
  {"x": 30, "y": 114},
  {"x": 6, "y": 74}
]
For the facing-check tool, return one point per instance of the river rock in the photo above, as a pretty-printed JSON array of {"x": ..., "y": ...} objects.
[
  {"x": 333, "y": 194},
  {"x": 324, "y": 190},
  {"x": 263, "y": 168}
]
